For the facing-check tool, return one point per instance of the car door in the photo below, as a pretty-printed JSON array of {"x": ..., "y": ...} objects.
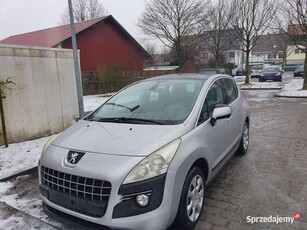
[
  {"x": 216, "y": 138},
  {"x": 231, "y": 95}
]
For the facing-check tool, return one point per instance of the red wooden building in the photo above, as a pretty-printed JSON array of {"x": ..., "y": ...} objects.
[{"x": 102, "y": 42}]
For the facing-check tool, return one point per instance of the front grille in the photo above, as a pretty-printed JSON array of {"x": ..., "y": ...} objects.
[
  {"x": 76, "y": 185},
  {"x": 84, "y": 195}
]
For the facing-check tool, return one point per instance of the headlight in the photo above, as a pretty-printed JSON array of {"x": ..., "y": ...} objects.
[
  {"x": 155, "y": 164},
  {"x": 50, "y": 140},
  {"x": 261, "y": 74}
]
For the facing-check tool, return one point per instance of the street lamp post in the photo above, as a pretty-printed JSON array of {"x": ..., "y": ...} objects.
[{"x": 76, "y": 62}]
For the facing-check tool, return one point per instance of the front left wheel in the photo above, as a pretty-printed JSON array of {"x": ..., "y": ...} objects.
[{"x": 192, "y": 199}]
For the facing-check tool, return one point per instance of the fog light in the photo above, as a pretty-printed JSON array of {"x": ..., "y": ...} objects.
[{"x": 142, "y": 200}]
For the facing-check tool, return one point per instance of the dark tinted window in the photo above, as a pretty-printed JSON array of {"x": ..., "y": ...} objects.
[
  {"x": 215, "y": 96},
  {"x": 230, "y": 90}
]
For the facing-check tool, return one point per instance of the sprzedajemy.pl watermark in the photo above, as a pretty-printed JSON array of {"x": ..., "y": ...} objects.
[{"x": 273, "y": 219}]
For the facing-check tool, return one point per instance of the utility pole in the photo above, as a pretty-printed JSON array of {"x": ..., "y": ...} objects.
[{"x": 76, "y": 62}]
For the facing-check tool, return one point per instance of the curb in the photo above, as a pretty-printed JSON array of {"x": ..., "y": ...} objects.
[
  {"x": 242, "y": 88},
  {"x": 287, "y": 96},
  {"x": 22, "y": 173}
]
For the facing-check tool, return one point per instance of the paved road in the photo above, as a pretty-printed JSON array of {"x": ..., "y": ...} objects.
[{"x": 269, "y": 180}]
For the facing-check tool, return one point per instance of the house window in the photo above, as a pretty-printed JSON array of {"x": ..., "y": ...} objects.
[
  {"x": 280, "y": 55},
  {"x": 231, "y": 54},
  {"x": 272, "y": 56},
  {"x": 299, "y": 51}
]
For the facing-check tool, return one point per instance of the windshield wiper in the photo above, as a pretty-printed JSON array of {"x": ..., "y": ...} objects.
[
  {"x": 128, "y": 120},
  {"x": 123, "y": 106}
]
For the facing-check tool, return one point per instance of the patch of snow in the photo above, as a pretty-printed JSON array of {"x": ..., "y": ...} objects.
[
  {"x": 24, "y": 196},
  {"x": 239, "y": 77},
  {"x": 293, "y": 89},
  {"x": 20, "y": 157},
  {"x": 261, "y": 85}
]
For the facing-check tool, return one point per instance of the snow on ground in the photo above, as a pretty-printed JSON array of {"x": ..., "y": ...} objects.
[
  {"x": 20, "y": 157},
  {"x": 293, "y": 89},
  {"x": 261, "y": 85},
  {"x": 22, "y": 194},
  {"x": 23, "y": 156},
  {"x": 257, "y": 85}
]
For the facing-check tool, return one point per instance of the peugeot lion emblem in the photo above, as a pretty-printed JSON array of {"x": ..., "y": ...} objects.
[{"x": 74, "y": 157}]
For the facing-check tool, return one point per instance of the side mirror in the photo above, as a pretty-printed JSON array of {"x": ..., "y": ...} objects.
[
  {"x": 77, "y": 118},
  {"x": 220, "y": 112}
]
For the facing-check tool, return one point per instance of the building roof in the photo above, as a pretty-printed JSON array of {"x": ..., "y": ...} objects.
[
  {"x": 296, "y": 29},
  {"x": 49, "y": 37},
  {"x": 270, "y": 43},
  {"x": 52, "y": 37}
]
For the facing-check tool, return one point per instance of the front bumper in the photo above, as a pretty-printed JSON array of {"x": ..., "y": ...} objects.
[
  {"x": 125, "y": 215},
  {"x": 270, "y": 78},
  {"x": 121, "y": 210}
]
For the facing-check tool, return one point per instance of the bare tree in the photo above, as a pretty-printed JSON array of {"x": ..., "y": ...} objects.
[
  {"x": 84, "y": 10},
  {"x": 171, "y": 20},
  {"x": 215, "y": 39},
  {"x": 297, "y": 28},
  {"x": 251, "y": 18},
  {"x": 3, "y": 85}
]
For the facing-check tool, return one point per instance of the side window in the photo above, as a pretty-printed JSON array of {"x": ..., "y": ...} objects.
[
  {"x": 230, "y": 90},
  {"x": 214, "y": 97}
]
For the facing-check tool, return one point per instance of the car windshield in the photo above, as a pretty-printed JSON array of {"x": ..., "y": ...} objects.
[
  {"x": 165, "y": 102},
  {"x": 271, "y": 69},
  {"x": 258, "y": 67}
]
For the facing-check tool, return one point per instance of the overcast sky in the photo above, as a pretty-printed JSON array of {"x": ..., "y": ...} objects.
[{"x": 21, "y": 16}]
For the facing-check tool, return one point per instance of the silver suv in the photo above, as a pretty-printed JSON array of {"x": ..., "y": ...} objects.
[{"x": 142, "y": 159}]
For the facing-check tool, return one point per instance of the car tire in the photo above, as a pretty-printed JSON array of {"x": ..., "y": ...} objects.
[
  {"x": 191, "y": 200},
  {"x": 244, "y": 143}
]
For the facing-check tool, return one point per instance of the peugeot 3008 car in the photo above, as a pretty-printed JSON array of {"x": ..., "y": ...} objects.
[{"x": 143, "y": 158}]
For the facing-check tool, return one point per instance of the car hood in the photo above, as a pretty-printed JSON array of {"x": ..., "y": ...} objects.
[{"x": 118, "y": 138}]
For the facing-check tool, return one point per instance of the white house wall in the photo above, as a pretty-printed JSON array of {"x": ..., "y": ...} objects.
[
  {"x": 295, "y": 58},
  {"x": 44, "y": 99}
]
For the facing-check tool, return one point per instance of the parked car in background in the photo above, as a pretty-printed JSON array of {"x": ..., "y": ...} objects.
[
  {"x": 298, "y": 72},
  {"x": 143, "y": 158},
  {"x": 238, "y": 72},
  {"x": 256, "y": 70},
  {"x": 290, "y": 67},
  {"x": 212, "y": 71},
  {"x": 273, "y": 73}
]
